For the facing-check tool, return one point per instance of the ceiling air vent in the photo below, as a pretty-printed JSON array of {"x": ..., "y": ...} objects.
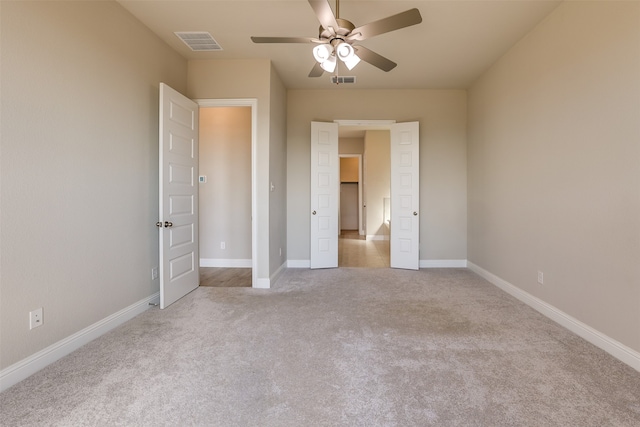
[
  {"x": 343, "y": 79},
  {"x": 199, "y": 41}
]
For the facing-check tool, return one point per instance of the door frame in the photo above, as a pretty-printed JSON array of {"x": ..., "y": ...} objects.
[
  {"x": 360, "y": 186},
  {"x": 253, "y": 103},
  {"x": 368, "y": 125},
  {"x": 373, "y": 125}
]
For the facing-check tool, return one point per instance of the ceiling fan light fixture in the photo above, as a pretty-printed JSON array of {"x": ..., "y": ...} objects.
[
  {"x": 344, "y": 51},
  {"x": 352, "y": 62},
  {"x": 347, "y": 54},
  {"x": 329, "y": 65},
  {"x": 322, "y": 52}
]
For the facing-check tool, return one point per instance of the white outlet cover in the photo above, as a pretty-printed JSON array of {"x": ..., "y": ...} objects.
[{"x": 35, "y": 318}]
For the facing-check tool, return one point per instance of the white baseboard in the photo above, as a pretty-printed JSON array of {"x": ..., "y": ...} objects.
[
  {"x": 378, "y": 237},
  {"x": 298, "y": 263},
  {"x": 266, "y": 283},
  {"x": 228, "y": 263},
  {"x": 443, "y": 263},
  {"x": 262, "y": 284},
  {"x": 17, "y": 372},
  {"x": 275, "y": 276},
  {"x": 606, "y": 343},
  {"x": 424, "y": 263}
]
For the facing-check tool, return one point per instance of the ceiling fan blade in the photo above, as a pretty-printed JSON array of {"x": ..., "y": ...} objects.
[
  {"x": 316, "y": 71},
  {"x": 325, "y": 14},
  {"x": 385, "y": 25},
  {"x": 282, "y": 40},
  {"x": 374, "y": 59}
]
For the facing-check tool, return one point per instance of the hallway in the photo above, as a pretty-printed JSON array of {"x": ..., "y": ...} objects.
[{"x": 353, "y": 251}]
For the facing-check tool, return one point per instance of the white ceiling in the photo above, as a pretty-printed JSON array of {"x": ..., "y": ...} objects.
[{"x": 456, "y": 41}]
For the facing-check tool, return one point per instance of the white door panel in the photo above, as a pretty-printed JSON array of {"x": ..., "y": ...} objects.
[
  {"x": 405, "y": 196},
  {"x": 325, "y": 175},
  {"x": 178, "y": 225}
]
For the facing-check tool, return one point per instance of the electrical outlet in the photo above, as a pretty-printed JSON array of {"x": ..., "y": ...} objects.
[
  {"x": 280, "y": 251},
  {"x": 540, "y": 277},
  {"x": 154, "y": 273},
  {"x": 35, "y": 318},
  {"x": 223, "y": 245}
]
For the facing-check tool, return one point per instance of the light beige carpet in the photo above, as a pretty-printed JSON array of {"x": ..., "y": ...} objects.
[{"x": 341, "y": 347}]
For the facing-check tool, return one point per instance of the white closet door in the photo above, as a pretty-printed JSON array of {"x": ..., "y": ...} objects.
[
  {"x": 325, "y": 176},
  {"x": 405, "y": 196}
]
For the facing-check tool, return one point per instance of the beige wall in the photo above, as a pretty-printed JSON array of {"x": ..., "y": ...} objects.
[
  {"x": 554, "y": 178},
  {"x": 277, "y": 174},
  {"x": 377, "y": 179},
  {"x": 443, "y": 197},
  {"x": 351, "y": 146},
  {"x": 79, "y": 167},
  {"x": 225, "y": 199}
]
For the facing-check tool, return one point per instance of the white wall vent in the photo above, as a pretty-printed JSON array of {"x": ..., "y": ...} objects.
[
  {"x": 343, "y": 79},
  {"x": 198, "y": 41}
]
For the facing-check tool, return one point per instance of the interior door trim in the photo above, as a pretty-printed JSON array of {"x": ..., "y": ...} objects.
[{"x": 253, "y": 103}]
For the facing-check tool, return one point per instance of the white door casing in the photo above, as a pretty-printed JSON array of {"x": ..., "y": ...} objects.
[
  {"x": 325, "y": 186},
  {"x": 178, "y": 221},
  {"x": 253, "y": 104},
  {"x": 405, "y": 196}
]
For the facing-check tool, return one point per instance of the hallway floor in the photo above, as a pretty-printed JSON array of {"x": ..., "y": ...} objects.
[
  {"x": 222, "y": 277},
  {"x": 353, "y": 251}
]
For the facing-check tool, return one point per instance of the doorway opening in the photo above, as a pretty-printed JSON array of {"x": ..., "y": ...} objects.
[
  {"x": 227, "y": 193},
  {"x": 365, "y": 187},
  {"x": 403, "y": 201}
]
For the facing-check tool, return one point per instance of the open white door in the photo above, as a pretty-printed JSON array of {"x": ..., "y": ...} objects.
[
  {"x": 325, "y": 186},
  {"x": 405, "y": 196},
  {"x": 178, "y": 222}
]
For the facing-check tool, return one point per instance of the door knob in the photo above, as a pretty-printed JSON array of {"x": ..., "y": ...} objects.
[
  {"x": 168, "y": 224},
  {"x": 158, "y": 224},
  {"x": 313, "y": 213},
  {"x": 415, "y": 213}
]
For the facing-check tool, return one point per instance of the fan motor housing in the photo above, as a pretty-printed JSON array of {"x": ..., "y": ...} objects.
[{"x": 345, "y": 29}]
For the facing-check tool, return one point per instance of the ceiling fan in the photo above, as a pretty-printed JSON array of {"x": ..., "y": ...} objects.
[{"x": 339, "y": 38}]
